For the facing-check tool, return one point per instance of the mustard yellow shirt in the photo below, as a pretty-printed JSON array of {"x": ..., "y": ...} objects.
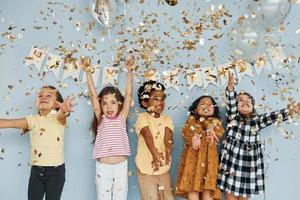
[
  {"x": 157, "y": 127},
  {"x": 46, "y": 139}
]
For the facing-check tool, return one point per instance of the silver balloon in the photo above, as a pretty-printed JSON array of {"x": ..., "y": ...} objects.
[
  {"x": 271, "y": 12},
  {"x": 124, "y": 2},
  {"x": 247, "y": 40},
  {"x": 101, "y": 10}
]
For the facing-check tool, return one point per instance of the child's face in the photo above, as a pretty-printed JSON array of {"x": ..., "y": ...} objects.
[
  {"x": 245, "y": 106},
  {"x": 156, "y": 102},
  {"x": 46, "y": 99},
  {"x": 109, "y": 105},
  {"x": 205, "y": 107}
]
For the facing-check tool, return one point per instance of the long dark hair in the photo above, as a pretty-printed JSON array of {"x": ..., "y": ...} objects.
[
  {"x": 107, "y": 90},
  {"x": 194, "y": 105}
]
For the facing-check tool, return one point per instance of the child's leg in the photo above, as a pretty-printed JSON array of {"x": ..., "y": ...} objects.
[
  {"x": 36, "y": 186},
  {"x": 120, "y": 185},
  {"x": 206, "y": 195},
  {"x": 104, "y": 181},
  {"x": 148, "y": 186},
  {"x": 193, "y": 195},
  {"x": 55, "y": 180},
  {"x": 229, "y": 196},
  {"x": 165, "y": 181}
]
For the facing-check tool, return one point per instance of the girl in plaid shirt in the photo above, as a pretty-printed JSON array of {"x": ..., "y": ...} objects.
[{"x": 241, "y": 173}]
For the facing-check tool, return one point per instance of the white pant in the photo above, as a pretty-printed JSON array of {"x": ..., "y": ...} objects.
[{"x": 112, "y": 181}]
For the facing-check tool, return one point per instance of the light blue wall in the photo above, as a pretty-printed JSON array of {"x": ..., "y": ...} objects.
[{"x": 282, "y": 154}]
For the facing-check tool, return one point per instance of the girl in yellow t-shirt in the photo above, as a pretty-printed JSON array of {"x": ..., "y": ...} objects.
[{"x": 46, "y": 130}]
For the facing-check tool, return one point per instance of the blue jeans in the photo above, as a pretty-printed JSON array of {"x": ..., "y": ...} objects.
[{"x": 48, "y": 181}]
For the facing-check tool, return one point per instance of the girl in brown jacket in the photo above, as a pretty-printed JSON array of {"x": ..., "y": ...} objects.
[{"x": 198, "y": 167}]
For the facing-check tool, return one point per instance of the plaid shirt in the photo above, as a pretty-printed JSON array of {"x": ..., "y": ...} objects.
[
  {"x": 246, "y": 130},
  {"x": 241, "y": 165}
]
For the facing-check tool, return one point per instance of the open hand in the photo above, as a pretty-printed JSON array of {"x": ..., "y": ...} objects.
[
  {"x": 67, "y": 105},
  {"x": 85, "y": 64},
  {"x": 129, "y": 62},
  {"x": 294, "y": 108},
  {"x": 196, "y": 140},
  {"x": 231, "y": 81},
  {"x": 211, "y": 136},
  {"x": 157, "y": 161}
]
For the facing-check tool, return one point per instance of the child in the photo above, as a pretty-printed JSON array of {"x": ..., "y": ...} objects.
[
  {"x": 241, "y": 172},
  {"x": 111, "y": 144},
  {"x": 46, "y": 131},
  {"x": 155, "y": 141},
  {"x": 199, "y": 163}
]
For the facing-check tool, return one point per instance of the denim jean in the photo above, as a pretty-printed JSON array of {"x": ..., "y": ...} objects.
[
  {"x": 48, "y": 181},
  {"x": 112, "y": 181}
]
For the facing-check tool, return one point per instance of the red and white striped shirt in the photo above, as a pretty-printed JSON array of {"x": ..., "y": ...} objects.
[{"x": 112, "y": 138}]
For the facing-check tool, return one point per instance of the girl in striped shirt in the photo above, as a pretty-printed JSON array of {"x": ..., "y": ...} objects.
[{"x": 111, "y": 141}]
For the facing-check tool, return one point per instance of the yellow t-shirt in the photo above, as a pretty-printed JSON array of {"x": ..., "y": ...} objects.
[
  {"x": 46, "y": 139},
  {"x": 157, "y": 127}
]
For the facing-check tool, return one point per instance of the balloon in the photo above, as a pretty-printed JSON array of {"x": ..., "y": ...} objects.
[
  {"x": 124, "y": 2},
  {"x": 125, "y": 5},
  {"x": 101, "y": 10},
  {"x": 246, "y": 39},
  {"x": 171, "y": 2},
  {"x": 271, "y": 12}
]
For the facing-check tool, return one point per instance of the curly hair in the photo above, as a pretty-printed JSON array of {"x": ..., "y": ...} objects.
[
  {"x": 194, "y": 105},
  {"x": 145, "y": 90}
]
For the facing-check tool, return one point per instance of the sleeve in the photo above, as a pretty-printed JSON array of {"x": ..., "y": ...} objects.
[
  {"x": 169, "y": 123},
  {"x": 141, "y": 122},
  {"x": 268, "y": 119},
  {"x": 189, "y": 130},
  {"x": 30, "y": 121},
  {"x": 218, "y": 128},
  {"x": 216, "y": 124},
  {"x": 231, "y": 105}
]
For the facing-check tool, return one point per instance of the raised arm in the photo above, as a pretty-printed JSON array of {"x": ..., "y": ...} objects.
[
  {"x": 64, "y": 109},
  {"x": 231, "y": 105},
  {"x": 128, "y": 93},
  {"x": 86, "y": 64},
  {"x": 14, "y": 123},
  {"x": 279, "y": 116}
]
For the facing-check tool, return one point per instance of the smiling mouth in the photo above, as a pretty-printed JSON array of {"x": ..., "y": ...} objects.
[
  {"x": 159, "y": 108},
  {"x": 110, "y": 112},
  {"x": 245, "y": 106}
]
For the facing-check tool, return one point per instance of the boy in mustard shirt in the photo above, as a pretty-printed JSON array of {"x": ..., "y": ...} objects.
[{"x": 155, "y": 141}]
